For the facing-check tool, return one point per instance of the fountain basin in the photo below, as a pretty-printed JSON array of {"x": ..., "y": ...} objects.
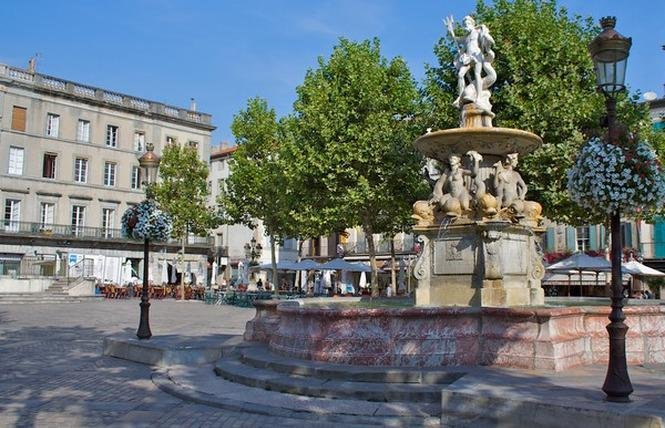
[
  {"x": 552, "y": 338},
  {"x": 487, "y": 141}
]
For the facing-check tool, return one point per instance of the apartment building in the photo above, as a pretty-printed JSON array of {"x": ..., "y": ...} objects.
[{"x": 69, "y": 169}]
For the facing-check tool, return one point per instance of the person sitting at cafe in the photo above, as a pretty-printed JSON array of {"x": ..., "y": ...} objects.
[{"x": 259, "y": 285}]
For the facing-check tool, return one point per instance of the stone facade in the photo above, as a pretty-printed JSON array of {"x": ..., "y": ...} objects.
[{"x": 70, "y": 165}]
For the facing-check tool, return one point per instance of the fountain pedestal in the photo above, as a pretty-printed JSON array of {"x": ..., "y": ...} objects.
[
  {"x": 479, "y": 235},
  {"x": 491, "y": 263}
]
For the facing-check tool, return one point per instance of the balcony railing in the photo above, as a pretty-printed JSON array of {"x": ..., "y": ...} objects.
[
  {"x": 82, "y": 232},
  {"x": 56, "y": 84}
]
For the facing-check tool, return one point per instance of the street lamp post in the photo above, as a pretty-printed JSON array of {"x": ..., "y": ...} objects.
[
  {"x": 253, "y": 251},
  {"x": 609, "y": 51},
  {"x": 149, "y": 164}
]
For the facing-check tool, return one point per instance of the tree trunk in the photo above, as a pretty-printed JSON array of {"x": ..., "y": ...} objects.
[
  {"x": 372, "y": 259},
  {"x": 182, "y": 272},
  {"x": 273, "y": 259},
  {"x": 393, "y": 273}
]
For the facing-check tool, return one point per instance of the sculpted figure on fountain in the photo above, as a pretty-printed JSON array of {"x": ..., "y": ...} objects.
[
  {"x": 451, "y": 192},
  {"x": 474, "y": 56}
]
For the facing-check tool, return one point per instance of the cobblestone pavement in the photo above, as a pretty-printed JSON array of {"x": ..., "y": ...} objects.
[{"x": 52, "y": 372}]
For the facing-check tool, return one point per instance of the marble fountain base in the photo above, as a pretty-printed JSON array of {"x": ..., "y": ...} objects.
[{"x": 552, "y": 338}]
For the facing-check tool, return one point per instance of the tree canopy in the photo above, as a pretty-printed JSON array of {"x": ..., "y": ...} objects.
[
  {"x": 183, "y": 190},
  {"x": 353, "y": 141},
  {"x": 545, "y": 84}
]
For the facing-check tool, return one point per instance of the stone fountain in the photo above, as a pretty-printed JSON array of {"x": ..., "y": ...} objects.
[
  {"x": 479, "y": 298},
  {"x": 479, "y": 235}
]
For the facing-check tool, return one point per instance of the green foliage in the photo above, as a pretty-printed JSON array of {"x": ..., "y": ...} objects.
[
  {"x": 352, "y": 146},
  {"x": 258, "y": 187},
  {"x": 545, "y": 85},
  {"x": 183, "y": 191}
]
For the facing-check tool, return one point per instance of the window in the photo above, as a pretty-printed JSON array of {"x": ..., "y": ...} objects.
[
  {"x": 108, "y": 222},
  {"x": 15, "y": 160},
  {"x": 52, "y": 125},
  {"x": 193, "y": 144},
  {"x": 170, "y": 140},
  {"x": 626, "y": 235},
  {"x": 12, "y": 214},
  {"x": 112, "y": 136},
  {"x": 78, "y": 219},
  {"x": 81, "y": 170},
  {"x": 48, "y": 169},
  {"x": 46, "y": 214},
  {"x": 18, "y": 118},
  {"x": 83, "y": 131},
  {"x": 139, "y": 141},
  {"x": 136, "y": 177},
  {"x": 583, "y": 238},
  {"x": 109, "y": 173}
]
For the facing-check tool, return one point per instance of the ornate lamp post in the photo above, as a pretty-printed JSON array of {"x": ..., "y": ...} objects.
[
  {"x": 609, "y": 51},
  {"x": 149, "y": 164},
  {"x": 253, "y": 252}
]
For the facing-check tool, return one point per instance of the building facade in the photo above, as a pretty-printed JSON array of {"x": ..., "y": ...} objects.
[{"x": 70, "y": 170}]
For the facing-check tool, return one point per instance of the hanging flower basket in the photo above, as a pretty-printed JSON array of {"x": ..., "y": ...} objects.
[
  {"x": 146, "y": 221},
  {"x": 609, "y": 177}
]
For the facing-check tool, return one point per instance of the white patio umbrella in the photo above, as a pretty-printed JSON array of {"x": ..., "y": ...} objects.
[
  {"x": 127, "y": 272},
  {"x": 580, "y": 262},
  {"x": 165, "y": 272},
  {"x": 307, "y": 264},
  {"x": 401, "y": 283},
  {"x": 362, "y": 283},
  {"x": 200, "y": 274},
  {"x": 174, "y": 274},
  {"x": 341, "y": 264},
  {"x": 213, "y": 273},
  {"x": 636, "y": 268},
  {"x": 303, "y": 280},
  {"x": 188, "y": 273}
]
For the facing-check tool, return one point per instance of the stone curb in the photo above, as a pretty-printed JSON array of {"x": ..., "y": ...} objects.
[{"x": 164, "y": 382}]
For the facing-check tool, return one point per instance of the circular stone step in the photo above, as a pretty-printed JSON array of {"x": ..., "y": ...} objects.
[
  {"x": 235, "y": 371},
  {"x": 197, "y": 384},
  {"x": 260, "y": 357}
]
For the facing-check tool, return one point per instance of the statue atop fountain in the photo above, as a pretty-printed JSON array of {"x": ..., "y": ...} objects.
[
  {"x": 474, "y": 56},
  {"x": 479, "y": 232}
]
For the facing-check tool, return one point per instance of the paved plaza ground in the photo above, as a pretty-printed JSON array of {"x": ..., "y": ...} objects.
[{"x": 52, "y": 372}]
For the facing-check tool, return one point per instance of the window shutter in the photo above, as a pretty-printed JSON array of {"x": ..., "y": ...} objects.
[
  {"x": 550, "y": 243},
  {"x": 571, "y": 240},
  {"x": 593, "y": 237},
  {"x": 18, "y": 118}
]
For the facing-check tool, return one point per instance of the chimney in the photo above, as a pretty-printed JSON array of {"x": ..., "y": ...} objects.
[{"x": 192, "y": 104}]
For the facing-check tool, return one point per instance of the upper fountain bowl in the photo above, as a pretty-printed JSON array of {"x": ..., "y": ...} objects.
[{"x": 485, "y": 140}]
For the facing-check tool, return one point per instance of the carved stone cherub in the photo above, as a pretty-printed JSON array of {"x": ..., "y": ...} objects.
[
  {"x": 509, "y": 185},
  {"x": 451, "y": 191}
]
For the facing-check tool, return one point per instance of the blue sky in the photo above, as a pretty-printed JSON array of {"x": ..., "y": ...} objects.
[{"x": 224, "y": 52}]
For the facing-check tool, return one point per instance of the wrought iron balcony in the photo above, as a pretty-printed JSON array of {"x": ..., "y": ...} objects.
[{"x": 59, "y": 231}]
